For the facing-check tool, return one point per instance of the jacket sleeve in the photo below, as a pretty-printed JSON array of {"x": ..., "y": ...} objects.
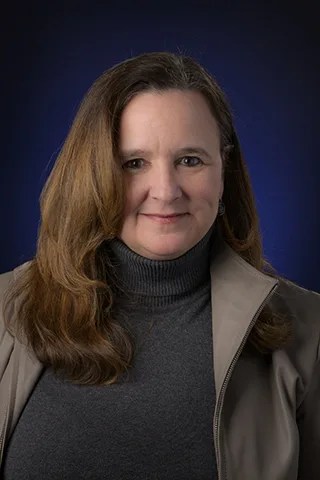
[{"x": 309, "y": 427}]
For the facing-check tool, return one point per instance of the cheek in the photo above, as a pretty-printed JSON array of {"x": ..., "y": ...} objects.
[
  {"x": 134, "y": 196},
  {"x": 206, "y": 192}
]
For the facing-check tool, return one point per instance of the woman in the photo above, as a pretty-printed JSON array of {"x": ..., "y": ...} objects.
[{"x": 149, "y": 338}]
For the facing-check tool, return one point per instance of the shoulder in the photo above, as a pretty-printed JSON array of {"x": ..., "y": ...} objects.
[
  {"x": 302, "y": 307},
  {"x": 6, "y": 339},
  {"x": 7, "y": 280},
  {"x": 302, "y": 304},
  {"x": 296, "y": 293}
]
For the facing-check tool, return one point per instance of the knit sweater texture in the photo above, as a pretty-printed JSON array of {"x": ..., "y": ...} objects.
[{"x": 156, "y": 422}]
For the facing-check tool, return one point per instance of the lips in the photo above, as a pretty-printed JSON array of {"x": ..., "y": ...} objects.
[
  {"x": 169, "y": 215},
  {"x": 165, "y": 219}
]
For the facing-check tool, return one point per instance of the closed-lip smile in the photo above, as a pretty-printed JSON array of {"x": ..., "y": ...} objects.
[
  {"x": 161, "y": 215},
  {"x": 165, "y": 219}
]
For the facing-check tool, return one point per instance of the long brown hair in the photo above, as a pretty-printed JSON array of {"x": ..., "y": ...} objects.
[{"x": 65, "y": 295}]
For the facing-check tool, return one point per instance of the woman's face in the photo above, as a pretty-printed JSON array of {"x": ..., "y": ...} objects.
[{"x": 170, "y": 153}]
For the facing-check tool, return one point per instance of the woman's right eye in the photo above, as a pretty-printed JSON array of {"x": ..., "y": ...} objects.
[{"x": 133, "y": 164}]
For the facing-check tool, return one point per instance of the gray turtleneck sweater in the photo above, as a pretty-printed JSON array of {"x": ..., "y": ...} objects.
[{"x": 156, "y": 422}]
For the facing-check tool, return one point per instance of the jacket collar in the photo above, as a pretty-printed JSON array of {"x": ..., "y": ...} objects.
[{"x": 238, "y": 292}]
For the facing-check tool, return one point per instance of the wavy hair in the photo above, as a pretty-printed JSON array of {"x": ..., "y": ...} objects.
[{"x": 66, "y": 293}]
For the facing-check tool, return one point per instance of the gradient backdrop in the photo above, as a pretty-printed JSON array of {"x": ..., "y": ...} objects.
[{"x": 266, "y": 56}]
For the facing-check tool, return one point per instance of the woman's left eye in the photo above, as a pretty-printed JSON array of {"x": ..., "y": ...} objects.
[{"x": 191, "y": 161}]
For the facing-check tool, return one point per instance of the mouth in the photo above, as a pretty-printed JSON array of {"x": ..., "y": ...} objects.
[
  {"x": 165, "y": 219},
  {"x": 163, "y": 215}
]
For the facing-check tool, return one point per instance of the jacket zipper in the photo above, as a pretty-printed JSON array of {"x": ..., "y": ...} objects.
[{"x": 222, "y": 475}]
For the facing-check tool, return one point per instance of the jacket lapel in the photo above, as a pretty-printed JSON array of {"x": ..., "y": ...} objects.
[{"x": 237, "y": 292}]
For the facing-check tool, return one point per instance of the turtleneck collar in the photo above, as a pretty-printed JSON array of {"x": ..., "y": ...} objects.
[{"x": 160, "y": 282}]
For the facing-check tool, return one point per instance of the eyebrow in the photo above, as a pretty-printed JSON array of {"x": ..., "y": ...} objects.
[{"x": 194, "y": 150}]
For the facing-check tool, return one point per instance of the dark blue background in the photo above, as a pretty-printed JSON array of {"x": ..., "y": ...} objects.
[{"x": 265, "y": 55}]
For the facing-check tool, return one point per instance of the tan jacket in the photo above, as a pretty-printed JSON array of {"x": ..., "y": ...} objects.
[{"x": 266, "y": 422}]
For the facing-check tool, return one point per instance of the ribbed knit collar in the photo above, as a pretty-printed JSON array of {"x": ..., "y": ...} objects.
[{"x": 160, "y": 282}]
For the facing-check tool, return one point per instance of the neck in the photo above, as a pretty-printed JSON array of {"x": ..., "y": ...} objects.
[{"x": 160, "y": 282}]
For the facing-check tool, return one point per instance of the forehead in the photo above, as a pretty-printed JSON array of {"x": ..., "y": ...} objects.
[{"x": 169, "y": 116}]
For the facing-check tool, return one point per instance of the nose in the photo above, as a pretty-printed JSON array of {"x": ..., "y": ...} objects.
[{"x": 165, "y": 184}]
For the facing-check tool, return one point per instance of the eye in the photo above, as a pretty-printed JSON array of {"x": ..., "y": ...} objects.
[
  {"x": 191, "y": 161},
  {"x": 133, "y": 164}
]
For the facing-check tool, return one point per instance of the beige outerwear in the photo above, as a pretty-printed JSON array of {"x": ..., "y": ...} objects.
[{"x": 266, "y": 423}]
